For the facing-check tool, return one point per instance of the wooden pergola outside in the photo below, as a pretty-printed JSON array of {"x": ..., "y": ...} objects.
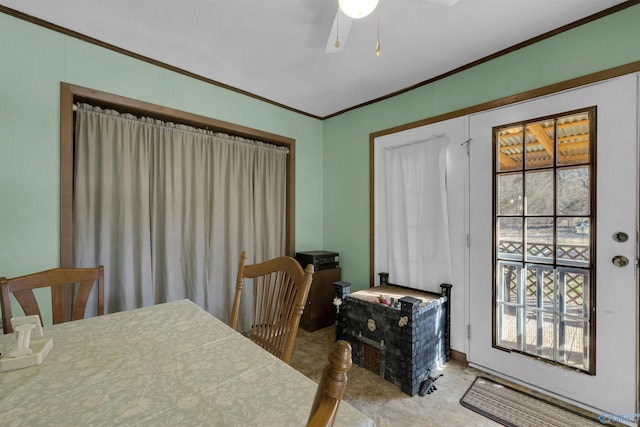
[{"x": 534, "y": 143}]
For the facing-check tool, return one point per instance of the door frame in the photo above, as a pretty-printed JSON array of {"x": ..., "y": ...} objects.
[{"x": 581, "y": 389}]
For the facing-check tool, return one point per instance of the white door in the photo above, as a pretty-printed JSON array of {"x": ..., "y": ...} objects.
[{"x": 613, "y": 388}]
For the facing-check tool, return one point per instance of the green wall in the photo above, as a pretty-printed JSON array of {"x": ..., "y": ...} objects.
[{"x": 599, "y": 45}]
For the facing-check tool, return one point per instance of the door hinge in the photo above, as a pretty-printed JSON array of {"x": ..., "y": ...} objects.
[
  {"x": 469, "y": 331},
  {"x": 468, "y": 240}
]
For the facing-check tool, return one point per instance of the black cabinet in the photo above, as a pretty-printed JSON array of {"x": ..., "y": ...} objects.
[{"x": 319, "y": 312}]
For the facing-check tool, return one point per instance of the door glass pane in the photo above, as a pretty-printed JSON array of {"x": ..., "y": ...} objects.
[
  {"x": 573, "y": 187},
  {"x": 573, "y": 241},
  {"x": 573, "y": 139},
  {"x": 509, "y": 149},
  {"x": 510, "y": 194},
  {"x": 540, "y": 137},
  {"x": 509, "y": 232},
  {"x": 539, "y": 329},
  {"x": 573, "y": 292},
  {"x": 509, "y": 282},
  {"x": 538, "y": 198},
  {"x": 540, "y": 291},
  {"x": 573, "y": 342},
  {"x": 539, "y": 238},
  {"x": 507, "y": 326}
]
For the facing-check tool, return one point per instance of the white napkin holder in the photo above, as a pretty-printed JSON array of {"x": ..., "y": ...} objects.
[{"x": 27, "y": 353}]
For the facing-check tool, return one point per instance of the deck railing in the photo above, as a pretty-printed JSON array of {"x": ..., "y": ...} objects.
[
  {"x": 539, "y": 291},
  {"x": 572, "y": 280}
]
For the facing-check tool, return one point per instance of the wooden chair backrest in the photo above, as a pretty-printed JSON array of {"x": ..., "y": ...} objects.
[
  {"x": 331, "y": 386},
  {"x": 281, "y": 289},
  {"x": 22, "y": 289}
]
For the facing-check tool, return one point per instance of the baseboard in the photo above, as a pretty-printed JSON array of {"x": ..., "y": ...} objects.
[{"x": 459, "y": 357}]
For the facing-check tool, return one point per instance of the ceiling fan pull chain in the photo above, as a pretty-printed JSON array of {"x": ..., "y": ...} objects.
[
  {"x": 338, "y": 24},
  {"x": 378, "y": 42}
]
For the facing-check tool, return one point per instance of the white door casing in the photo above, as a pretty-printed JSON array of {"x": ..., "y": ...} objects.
[{"x": 614, "y": 387}]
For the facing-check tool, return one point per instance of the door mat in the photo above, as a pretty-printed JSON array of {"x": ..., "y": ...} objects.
[{"x": 513, "y": 408}]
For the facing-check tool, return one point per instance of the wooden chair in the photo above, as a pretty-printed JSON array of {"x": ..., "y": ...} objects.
[
  {"x": 331, "y": 386},
  {"x": 281, "y": 289},
  {"x": 57, "y": 279}
]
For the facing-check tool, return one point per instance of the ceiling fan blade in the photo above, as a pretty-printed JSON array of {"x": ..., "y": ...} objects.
[
  {"x": 442, "y": 2},
  {"x": 344, "y": 27}
]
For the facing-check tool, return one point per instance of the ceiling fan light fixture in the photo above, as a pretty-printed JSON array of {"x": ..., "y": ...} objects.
[{"x": 357, "y": 8}]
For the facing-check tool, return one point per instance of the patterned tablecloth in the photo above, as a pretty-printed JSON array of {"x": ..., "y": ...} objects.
[{"x": 170, "y": 364}]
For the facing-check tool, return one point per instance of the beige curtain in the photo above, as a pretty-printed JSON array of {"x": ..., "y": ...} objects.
[{"x": 167, "y": 209}]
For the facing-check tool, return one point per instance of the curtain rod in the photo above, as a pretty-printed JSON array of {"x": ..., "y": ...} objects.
[{"x": 393, "y": 147}]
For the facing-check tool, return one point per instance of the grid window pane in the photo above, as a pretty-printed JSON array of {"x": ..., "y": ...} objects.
[
  {"x": 509, "y": 149},
  {"x": 573, "y": 139},
  {"x": 510, "y": 282},
  {"x": 538, "y": 198},
  {"x": 541, "y": 150},
  {"x": 540, "y": 289},
  {"x": 539, "y": 238},
  {"x": 510, "y": 197},
  {"x": 509, "y": 335},
  {"x": 573, "y": 292},
  {"x": 540, "y": 333},
  {"x": 573, "y": 187},
  {"x": 573, "y": 241},
  {"x": 573, "y": 342},
  {"x": 509, "y": 234}
]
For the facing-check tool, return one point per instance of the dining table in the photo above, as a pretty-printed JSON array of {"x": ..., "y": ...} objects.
[{"x": 169, "y": 364}]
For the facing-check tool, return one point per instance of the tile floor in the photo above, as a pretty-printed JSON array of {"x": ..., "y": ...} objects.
[{"x": 383, "y": 401}]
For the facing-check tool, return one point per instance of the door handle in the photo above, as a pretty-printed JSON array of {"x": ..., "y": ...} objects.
[{"x": 620, "y": 261}]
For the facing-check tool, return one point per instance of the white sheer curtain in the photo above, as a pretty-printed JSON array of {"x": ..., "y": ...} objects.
[
  {"x": 167, "y": 209},
  {"x": 417, "y": 214}
]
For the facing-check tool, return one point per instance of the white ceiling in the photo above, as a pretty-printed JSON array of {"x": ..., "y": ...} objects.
[{"x": 275, "y": 49}]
